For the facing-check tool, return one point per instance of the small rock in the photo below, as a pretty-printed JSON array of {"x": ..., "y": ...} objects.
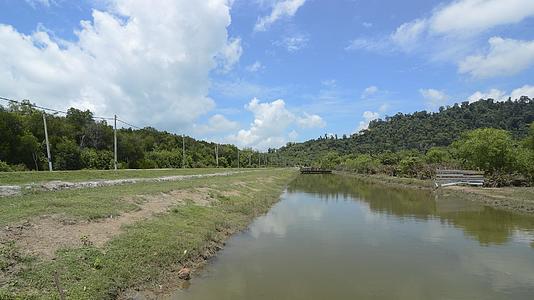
[{"x": 184, "y": 273}]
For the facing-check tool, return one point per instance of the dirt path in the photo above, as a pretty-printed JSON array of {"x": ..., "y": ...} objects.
[
  {"x": 43, "y": 236},
  {"x": 14, "y": 190}
]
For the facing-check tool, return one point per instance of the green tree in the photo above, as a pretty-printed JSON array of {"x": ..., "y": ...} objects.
[{"x": 486, "y": 149}]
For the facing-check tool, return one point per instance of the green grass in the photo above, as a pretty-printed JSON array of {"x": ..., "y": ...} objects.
[
  {"x": 148, "y": 252},
  {"x": 14, "y": 178}
]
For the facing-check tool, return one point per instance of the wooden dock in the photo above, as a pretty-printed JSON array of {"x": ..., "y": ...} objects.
[{"x": 307, "y": 170}]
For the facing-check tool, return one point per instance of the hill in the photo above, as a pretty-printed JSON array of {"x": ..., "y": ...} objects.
[{"x": 422, "y": 130}]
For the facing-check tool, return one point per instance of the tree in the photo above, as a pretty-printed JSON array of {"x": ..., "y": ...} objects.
[{"x": 486, "y": 149}]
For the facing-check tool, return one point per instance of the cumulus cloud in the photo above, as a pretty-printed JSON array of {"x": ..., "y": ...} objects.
[
  {"x": 451, "y": 33},
  {"x": 498, "y": 95},
  {"x": 434, "y": 98},
  {"x": 272, "y": 121},
  {"x": 504, "y": 57},
  {"x": 281, "y": 9},
  {"x": 147, "y": 62},
  {"x": 471, "y": 16},
  {"x": 216, "y": 124},
  {"x": 367, "y": 116},
  {"x": 311, "y": 121}
]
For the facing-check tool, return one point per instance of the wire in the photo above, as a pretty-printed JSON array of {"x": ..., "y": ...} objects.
[
  {"x": 123, "y": 122},
  {"x": 64, "y": 112}
]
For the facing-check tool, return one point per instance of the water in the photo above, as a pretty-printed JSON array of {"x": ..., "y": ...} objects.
[{"x": 332, "y": 237}]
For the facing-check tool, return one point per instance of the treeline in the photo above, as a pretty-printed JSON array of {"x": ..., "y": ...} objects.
[
  {"x": 506, "y": 160},
  {"x": 420, "y": 131},
  {"x": 78, "y": 141}
]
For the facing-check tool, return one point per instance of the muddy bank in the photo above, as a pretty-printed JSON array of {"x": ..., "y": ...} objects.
[
  {"x": 516, "y": 199},
  {"x": 14, "y": 190}
]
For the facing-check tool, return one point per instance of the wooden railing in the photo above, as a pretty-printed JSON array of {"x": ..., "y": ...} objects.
[{"x": 458, "y": 177}]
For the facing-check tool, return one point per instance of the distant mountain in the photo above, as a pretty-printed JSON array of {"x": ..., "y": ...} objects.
[{"x": 421, "y": 130}]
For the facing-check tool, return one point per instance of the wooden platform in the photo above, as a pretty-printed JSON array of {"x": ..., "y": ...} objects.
[
  {"x": 458, "y": 177},
  {"x": 314, "y": 171}
]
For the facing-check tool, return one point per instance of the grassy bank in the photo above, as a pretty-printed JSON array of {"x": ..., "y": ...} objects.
[
  {"x": 16, "y": 178},
  {"x": 517, "y": 199},
  {"x": 187, "y": 222}
]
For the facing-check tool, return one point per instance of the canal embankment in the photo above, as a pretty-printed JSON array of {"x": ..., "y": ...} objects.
[
  {"x": 516, "y": 199},
  {"x": 108, "y": 242}
]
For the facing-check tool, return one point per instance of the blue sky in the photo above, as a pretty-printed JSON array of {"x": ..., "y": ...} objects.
[{"x": 260, "y": 73}]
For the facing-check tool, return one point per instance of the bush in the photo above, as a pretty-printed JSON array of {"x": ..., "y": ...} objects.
[
  {"x": 486, "y": 149},
  {"x": 94, "y": 159},
  {"x": 437, "y": 155},
  {"x": 411, "y": 166},
  {"x": 67, "y": 156},
  {"x": 364, "y": 164},
  {"x": 165, "y": 158},
  {"x": 4, "y": 167}
]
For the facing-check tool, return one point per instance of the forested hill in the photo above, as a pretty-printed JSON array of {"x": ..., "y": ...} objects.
[{"x": 421, "y": 130}]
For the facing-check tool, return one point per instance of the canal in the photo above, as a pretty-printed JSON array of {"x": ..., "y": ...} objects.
[{"x": 333, "y": 237}]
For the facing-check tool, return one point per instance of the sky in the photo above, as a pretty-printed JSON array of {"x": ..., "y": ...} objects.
[{"x": 261, "y": 73}]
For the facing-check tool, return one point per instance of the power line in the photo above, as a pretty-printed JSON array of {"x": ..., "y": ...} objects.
[{"x": 64, "y": 112}]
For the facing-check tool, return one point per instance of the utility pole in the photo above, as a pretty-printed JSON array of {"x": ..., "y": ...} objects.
[
  {"x": 183, "y": 151},
  {"x": 115, "y": 143},
  {"x": 238, "y": 158},
  {"x": 217, "y": 154},
  {"x": 47, "y": 144},
  {"x": 259, "y": 160}
]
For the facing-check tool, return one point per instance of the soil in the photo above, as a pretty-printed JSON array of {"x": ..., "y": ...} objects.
[{"x": 43, "y": 236}]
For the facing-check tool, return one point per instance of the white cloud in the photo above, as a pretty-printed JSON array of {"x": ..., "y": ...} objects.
[
  {"x": 272, "y": 120},
  {"x": 34, "y": 3},
  {"x": 293, "y": 43},
  {"x": 216, "y": 124},
  {"x": 255, "y": 67},
  {"x": 408, "y": 34},
  {"x": 369, "y": 91},
  {"x": 498, "y": 95},
  {"x": 281, "y": 9},
  {"x": 504, "y": 57},
  {"x": 371, "y": 45},
  {"x": 526, "y": 90},
  {"x": 471, "y": 16},
  {"x": 148, "y": 62},
  {"x": 368, "y": 116},
  {"x": 311, "y": 121},
  {"x": 231, "y": 54},
  {"x": 451, "y": 33},
  {"x": 494, "y": 94},
  {"x": 434, "y": 98},
  {"x": 367, "y": 24}
]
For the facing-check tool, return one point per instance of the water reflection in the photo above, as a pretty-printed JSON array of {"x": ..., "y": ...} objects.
[
  {"x": 333, "y": 237},
  {"x": 485, "y": 224}
]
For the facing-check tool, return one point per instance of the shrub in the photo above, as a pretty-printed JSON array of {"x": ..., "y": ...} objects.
[
  {"x": 486, "y": 149},
  {"x": 4, "y": 167},
  {"x": 364, "y": 164},
  {"x": 94, "y": 159}
]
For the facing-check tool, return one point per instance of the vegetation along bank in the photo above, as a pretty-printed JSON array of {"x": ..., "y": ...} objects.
[{"x": 109, "y": 242}]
